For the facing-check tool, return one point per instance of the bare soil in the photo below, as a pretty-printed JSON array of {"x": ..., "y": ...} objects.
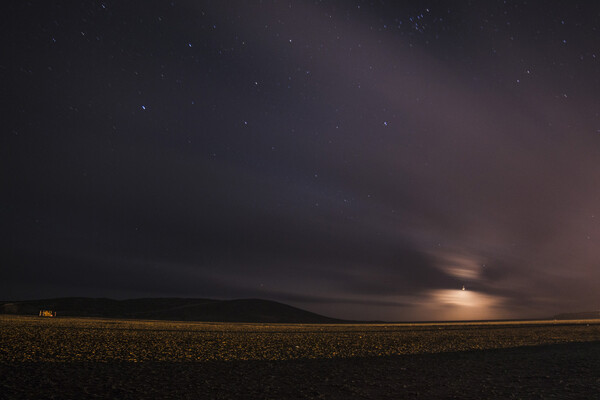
[{"x": 79, "y": 358}]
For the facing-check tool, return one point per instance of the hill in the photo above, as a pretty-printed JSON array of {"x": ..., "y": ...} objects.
[{"x": 177, "y": 309}]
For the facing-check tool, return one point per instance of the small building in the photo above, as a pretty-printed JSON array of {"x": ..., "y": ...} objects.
[{"x": 47, "y": 313}]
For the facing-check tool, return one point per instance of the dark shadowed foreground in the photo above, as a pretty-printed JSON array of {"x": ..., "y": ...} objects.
[{"x": 78, "y": 358}]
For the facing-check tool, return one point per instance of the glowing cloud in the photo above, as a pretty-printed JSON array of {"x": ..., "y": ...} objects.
[{"x": 464, "y": 305}]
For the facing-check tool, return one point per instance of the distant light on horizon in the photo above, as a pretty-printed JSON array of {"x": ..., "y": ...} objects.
[{"x": 459, "y": 304}]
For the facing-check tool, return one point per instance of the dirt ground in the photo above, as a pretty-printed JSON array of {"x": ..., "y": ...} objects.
[{"x": 432, "y": 364}]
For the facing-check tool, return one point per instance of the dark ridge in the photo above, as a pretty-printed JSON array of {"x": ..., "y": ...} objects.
[
  {"x": 579, "y": 315},
  {"x": 176, "y": 309}
]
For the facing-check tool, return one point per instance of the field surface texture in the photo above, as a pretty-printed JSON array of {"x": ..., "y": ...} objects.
[{"x": 102, "y": 358}]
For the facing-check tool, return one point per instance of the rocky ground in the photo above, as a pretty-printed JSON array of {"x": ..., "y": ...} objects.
[{"x": 106, "y": 359}]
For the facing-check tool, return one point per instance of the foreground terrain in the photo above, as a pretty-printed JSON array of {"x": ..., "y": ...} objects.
[{"x": 76, "y": 358}]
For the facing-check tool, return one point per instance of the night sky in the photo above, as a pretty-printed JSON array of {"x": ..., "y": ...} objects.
[{"x": 362, "y": 160}]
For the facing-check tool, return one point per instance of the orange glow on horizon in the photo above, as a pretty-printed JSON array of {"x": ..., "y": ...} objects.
[{"x": 462, "y": 304}]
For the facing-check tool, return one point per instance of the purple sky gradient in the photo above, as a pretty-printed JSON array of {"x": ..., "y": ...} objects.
[{"x": 360, "y": 160}]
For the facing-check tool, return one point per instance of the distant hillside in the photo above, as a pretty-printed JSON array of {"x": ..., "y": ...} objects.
[
  {"x": 579, "y": 315},
  {"x": 245, "y": 310}
]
